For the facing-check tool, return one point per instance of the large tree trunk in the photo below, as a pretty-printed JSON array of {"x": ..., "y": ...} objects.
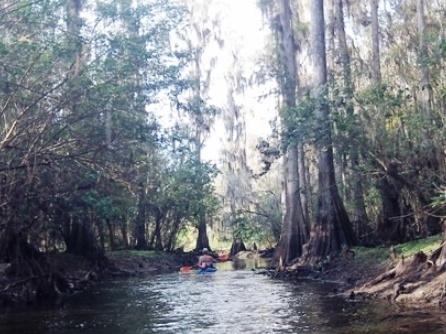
[
  {"x": 390, "y": 204},
  {"x": 171, "y": 240},
  {"x": 237, "y": 246},
  {"x": 125, "y": 238},
  {"x": 111, "y": 234},
  {"x": 332, "y": 229},
  {"x": 359, "y": 212},
  {"x": 441, "y": 261},
  {"x": 80, "y": 240},
  {"x": 202, "y": 239},
  {"x": 74, "y": 24},
  {"x": 140, "y": 221},
  {"x": 305, "y": 192},
  {"x": 423, "y": 61},
  {"x": 198, "y": 118},
  {"x": 376, "y": 62},
  {"x": 293, "y": 234},
  {"x": 390, "y": 227},
  {"x": 156, "y": 241}
]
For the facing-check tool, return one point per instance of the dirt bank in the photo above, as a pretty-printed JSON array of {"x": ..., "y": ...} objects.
[
  {"x": 422, "y": 285},
  {"x": 79, "y": 274}
]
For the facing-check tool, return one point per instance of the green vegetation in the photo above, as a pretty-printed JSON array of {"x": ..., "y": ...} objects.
[
  {"x": 136, "y": 254},
  {"x": 422, "y": 245},
  {"x": 407, "y": 249}
]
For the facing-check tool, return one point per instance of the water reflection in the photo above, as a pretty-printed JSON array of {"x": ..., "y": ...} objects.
[
  {"x": 238, "y": 264},
  {"x": 228, "y": 301}
]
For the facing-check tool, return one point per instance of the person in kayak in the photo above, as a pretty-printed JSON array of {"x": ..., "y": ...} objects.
[{"x": 206, "y": 261}]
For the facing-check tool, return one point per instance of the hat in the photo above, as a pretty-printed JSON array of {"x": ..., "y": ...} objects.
[{"x": 205, "y": 250}]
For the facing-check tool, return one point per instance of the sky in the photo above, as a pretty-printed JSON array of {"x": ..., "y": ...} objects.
[{"x": 244, "y": 31}]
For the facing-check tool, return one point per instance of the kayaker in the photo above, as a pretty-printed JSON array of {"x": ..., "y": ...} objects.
[{"x": 206, "y": 261}]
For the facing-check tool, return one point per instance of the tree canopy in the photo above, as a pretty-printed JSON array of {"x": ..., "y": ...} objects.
[{"x": 107, "y": 107}]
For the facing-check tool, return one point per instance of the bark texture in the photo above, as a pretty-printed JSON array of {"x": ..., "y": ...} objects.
[
  {"x": 293, "y": 230},
  {"x": 332, "y": 229}
]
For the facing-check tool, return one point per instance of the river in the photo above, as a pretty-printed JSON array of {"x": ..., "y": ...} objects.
[{"x": 230, "y": 301}]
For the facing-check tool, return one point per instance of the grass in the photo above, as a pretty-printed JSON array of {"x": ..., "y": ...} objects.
[
  {"x": 424, "y": 245},
  {"x": 407, "y": 249},
  {"x": 136, "y": 254}
]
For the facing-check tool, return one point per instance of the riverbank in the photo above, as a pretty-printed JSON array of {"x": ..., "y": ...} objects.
[
  {"x": 401, "y": 275},
  {"x": 358, "y": 273},
  {"x": 75, "y": 274},
  {"x": 150, "y": 262}
]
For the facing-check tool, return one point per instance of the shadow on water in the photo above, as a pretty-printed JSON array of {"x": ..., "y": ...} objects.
[
  {"x": 232, "y": 300},
  {"x": 237, "y": 264}
]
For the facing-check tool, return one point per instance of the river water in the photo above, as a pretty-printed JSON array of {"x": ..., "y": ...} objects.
[{"x": 228, "y": 301}]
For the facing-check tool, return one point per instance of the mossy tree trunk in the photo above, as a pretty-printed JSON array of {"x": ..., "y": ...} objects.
[
  {"x": 293, "y": 234},
  {"x": 202, "y": 238},
  {"x": 332, "y": 229},
  {"x": 80, "y": 240},
  {"x": 359, "y": 211},
  {"x": 140, "y": 221},
  {"x": 236, "y": 247}
]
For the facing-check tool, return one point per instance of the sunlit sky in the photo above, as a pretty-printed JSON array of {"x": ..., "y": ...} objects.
[{"x": 244, "y": 32}]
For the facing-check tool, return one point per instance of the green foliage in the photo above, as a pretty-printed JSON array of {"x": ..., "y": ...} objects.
[
  {"x": 243, "y": 229},
  {"x": 134, "y": 254},
  {"x": 261, "y": 226},
  {"x": 78, "y": 147},
  {"x": 375, "y": 255},
  {"x": 422, "y": 245},
  {"x": 300, "y": 123},
  {"x": 439, "y": 201},
  {"x": 381, "y": 254},
  {"x": 189, "y": 190}
]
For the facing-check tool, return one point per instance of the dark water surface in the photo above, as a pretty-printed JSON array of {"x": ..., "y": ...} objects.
[{"x": 228, "y": 301}]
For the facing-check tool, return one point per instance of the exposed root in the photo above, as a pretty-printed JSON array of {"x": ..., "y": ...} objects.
[
  {"x": 16, "y": 283},
  {"x": 32, "y": 276},
  {"x": 409, "y": 275}
]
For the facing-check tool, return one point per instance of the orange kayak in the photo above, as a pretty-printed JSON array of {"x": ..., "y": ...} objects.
[
  {"x": 223, "y": 257},
  {"x": 185, "y": 269}
]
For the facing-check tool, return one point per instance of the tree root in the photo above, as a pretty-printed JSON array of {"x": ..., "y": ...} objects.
[
  {"x": 408, "y": 276},
  {"x": 32, "y": 276},
  {"x": 13, "y": 284}
]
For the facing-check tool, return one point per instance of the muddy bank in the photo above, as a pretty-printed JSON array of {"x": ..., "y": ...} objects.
[
  {"x": 79, "y": 274},
  {"x": 134, "y": 263},
  {"x": 412, "y": 283}
]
